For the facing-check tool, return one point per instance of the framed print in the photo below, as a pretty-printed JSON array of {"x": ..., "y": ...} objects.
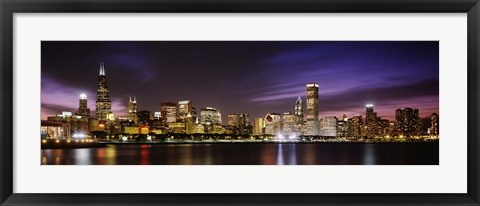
[{"x": 239, "y": 102}]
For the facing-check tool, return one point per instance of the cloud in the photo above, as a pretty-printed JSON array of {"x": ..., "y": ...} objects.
[{"x": 57, "y": 97}]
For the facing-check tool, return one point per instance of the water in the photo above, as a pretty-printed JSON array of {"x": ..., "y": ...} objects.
[{"x": 248, "y": 154}]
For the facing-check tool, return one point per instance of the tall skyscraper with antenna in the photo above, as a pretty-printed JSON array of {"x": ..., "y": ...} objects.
[
  {"x": 103, "y": 106},
  {"x": 312, "y": 109}
]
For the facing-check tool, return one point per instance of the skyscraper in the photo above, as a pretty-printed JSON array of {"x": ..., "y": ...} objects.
[
  {"x": 244, "y": 124},
  {"x": 184, "y": 108},
  {"x": 371, "y": 129},
  {"x": 168, "y": 112},
  {"x": 289, "y": 122},
  {"x": 272, "y": 123},
  {"x": 259, "y": 126},
  {"x": 312, "y": 109},
  {"x": 210, "y": 115},
  {"x": 328, "y": 126},
  {"x": 299, "y": 111},
  {"x": 103, "y": 106},
  {"x": 83, "y": 109},
  {"x": 132, "y": 110},
  {"x": 370, "y": 116},
  {"x": 232, "y": 120},
  {"x": 408, "y": 122},
  {"x": 434, "y": 127},
  {"x": 357, "y": 126}
]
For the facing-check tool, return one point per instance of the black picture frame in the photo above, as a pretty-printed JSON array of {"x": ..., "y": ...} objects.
[{"x": 10, "y": 7}]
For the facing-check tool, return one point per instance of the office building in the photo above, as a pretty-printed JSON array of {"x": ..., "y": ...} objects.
[
  {"x": 83, "y": 109},
  {"x": 184, "y": 108},
  {"x": 272, "y": 123},
  {"x": 311, "y": 128},
  {"x": 259, "y": 126},
  {"x": 132, "y": 110},
  {"x": 232, "y": 120},
  {"x": 103, "y": 106},
  {"x": 328, "y": 126},
  {"x": 168, "y": 112}
]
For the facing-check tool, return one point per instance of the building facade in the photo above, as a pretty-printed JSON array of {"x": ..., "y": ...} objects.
[
  {"x": 184, "y": 108},
  {"x": 289, "y": 123},
  {"x": 259, "y": 126},
  {"x": 272, "y": 123},
  {"x": 232, "y": 120},
  {"x": 210, "y": 115},
  {"x": 83, "y": 109},
  {"x": 132, "y": 110},
  {"x": 168, "y": 112},
  {"x": 244, "y": 124},
  {"x": 103, "y": 106},
  {"x": 434, "y": 125},
  {"x": 328, "y": 126},
  {"x": 311, "y": 128}
]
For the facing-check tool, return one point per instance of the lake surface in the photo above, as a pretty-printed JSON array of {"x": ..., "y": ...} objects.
[{"x": 249, "y": 154}]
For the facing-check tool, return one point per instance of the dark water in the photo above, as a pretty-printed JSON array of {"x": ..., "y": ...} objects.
[{"x": 248, "y": 154}]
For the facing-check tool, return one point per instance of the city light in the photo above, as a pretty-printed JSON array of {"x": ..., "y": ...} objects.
[{"x": 79, "y": 135}]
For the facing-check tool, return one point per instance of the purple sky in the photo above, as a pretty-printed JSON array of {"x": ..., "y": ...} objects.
[{"x": 255, "y": 77}]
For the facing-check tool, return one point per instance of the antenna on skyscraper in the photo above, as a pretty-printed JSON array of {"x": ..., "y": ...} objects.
[{"x": 102, "y": 68}]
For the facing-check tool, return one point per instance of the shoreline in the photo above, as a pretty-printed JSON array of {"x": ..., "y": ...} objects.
[{"x": 75, "y": 145}]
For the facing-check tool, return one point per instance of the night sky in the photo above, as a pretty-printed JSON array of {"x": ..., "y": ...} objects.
[{"x": 255, "y": 77}]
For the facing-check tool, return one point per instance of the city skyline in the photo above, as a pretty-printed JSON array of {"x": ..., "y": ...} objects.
[{"x": 346, "y": 88}]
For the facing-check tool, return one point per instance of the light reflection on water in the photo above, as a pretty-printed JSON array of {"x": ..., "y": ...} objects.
[
  {"x": 279, "y": 155},
  {"x": 293, "y": 155},
  {"x": 369, "y": 155},
  {"x": 246, "y": 154},
  {"x": 82, "y": 157}
]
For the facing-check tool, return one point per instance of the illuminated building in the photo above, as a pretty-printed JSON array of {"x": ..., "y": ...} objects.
[
  {"x": 434, "y": 127},
  {"x": 371, "y": 123},
  {"x": 177, "y": 127},
  {"x": 52, "y": 130},
  {"x": 328, "y": 126},
  {"x": 218, "y": 129},
  {"x": 299, "y": 111},
  {"x": 168, "y": 112},
  {"x": 143, "y": 117},
  {"x": 83, "y": 109},
  {"x": 370, "y": 115},
  {"x": 132, "y": 110},
  {"x": 408, "y": 122},
  {"x": 103, "y": 106},
  {"x": 210, "y": 115},
  {"x": 199, "y": 129},
  {"x": 259, "y": 126},
  {"x": 272, "y": 123},
  {"x": 184, "y": 108},
  {"x": 357, "y": 126},
  {"x": 312, "y": 109},
  {"x": 342, "y": 128},
  {"x": 189, "y": 124},
  {"x": 244, "y": 124},
  {"x": 232, "y": 120},
  {"x": 289, "y": 123},
  {"x": 131, "y": 130}
]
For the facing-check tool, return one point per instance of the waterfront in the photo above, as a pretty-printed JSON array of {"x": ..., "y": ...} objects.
[{"x": 413, "y": 153}]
